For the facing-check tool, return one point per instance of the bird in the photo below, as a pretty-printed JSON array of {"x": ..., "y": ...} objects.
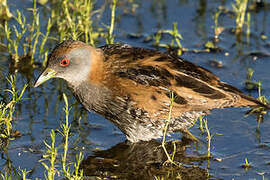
[{"x": 134, "y": 87}]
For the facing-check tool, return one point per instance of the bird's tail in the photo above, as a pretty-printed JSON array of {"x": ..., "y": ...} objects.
[
  {"x": 245, "y": 100},
  {"x": 252, "y": 102}
]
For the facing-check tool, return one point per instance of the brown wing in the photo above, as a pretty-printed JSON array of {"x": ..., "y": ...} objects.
[{"x": 148, "y": 77}]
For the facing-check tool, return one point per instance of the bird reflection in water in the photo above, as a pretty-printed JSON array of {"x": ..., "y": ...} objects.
[{"x": 143, "y": 160}]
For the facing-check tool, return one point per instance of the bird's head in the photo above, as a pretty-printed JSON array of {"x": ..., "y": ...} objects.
[{"x": 71, "y": 61}]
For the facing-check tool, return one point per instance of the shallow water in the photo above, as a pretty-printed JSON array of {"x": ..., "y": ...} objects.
[{"x": 236, "y": 136}]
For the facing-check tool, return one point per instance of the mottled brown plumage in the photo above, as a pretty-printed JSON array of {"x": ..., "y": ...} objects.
[{"x": 132, "y": 86}]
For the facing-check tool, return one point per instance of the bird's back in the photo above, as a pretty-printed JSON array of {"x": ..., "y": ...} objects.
[{"x": 140, "y": 72}]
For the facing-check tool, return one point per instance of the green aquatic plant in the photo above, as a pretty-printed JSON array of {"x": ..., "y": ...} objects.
[
  {"x": 176, "y": 38},
  {"x": 43, "y": 54},
  {"x": 24, "y": 173},
  {"x": 73, "y": 20},
  {"x": 248, "y": 27},
  {"x": 217, "y": 29},
  {"x": 77, "y": 174},
  {"x": 53, "y": 151},
  {"x": 34, "y": 32},
  {"x": 165, "y": 129},
  {"x": 25, "y": 36},
  {"x": 13, "y": 43},
  {"x": 170, "y": 157},
  {"x": 261, "y": 98},
  {"x": 246, "y": 165},
  {"x": 209, "y": 138},
  {"x": 65, "y": 133},
  {"x": 201, "y": 124},
  {"x": 262, "y": 174},
  {"x": 239, "y": 9},
  {"x": 50, "y": 155},
  {"x": 157, "y": 38},
  {"x": 4, "y": 10},
  {"x": 204, "y": 128},
  {"x": 260, "y": 112},
  {"x": 7, "y": 109},
  {"x": 110, "y": 36},
  {"x": 249, "y": 83}
]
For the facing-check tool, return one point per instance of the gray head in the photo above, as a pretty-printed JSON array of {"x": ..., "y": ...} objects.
[{"x": 69, "y": 60}]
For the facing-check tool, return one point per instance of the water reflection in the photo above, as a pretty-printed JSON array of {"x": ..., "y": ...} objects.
[{"x": 144, "y": 160}]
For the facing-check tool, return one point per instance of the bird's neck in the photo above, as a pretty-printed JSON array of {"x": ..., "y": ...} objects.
[{"x": 93, "y": 97}]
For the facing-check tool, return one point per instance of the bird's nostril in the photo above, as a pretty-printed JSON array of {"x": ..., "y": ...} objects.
[{"x": 46, "y": 73}]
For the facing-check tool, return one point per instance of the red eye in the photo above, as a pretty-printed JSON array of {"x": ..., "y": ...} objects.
[{"x": 64, "y": 62}]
